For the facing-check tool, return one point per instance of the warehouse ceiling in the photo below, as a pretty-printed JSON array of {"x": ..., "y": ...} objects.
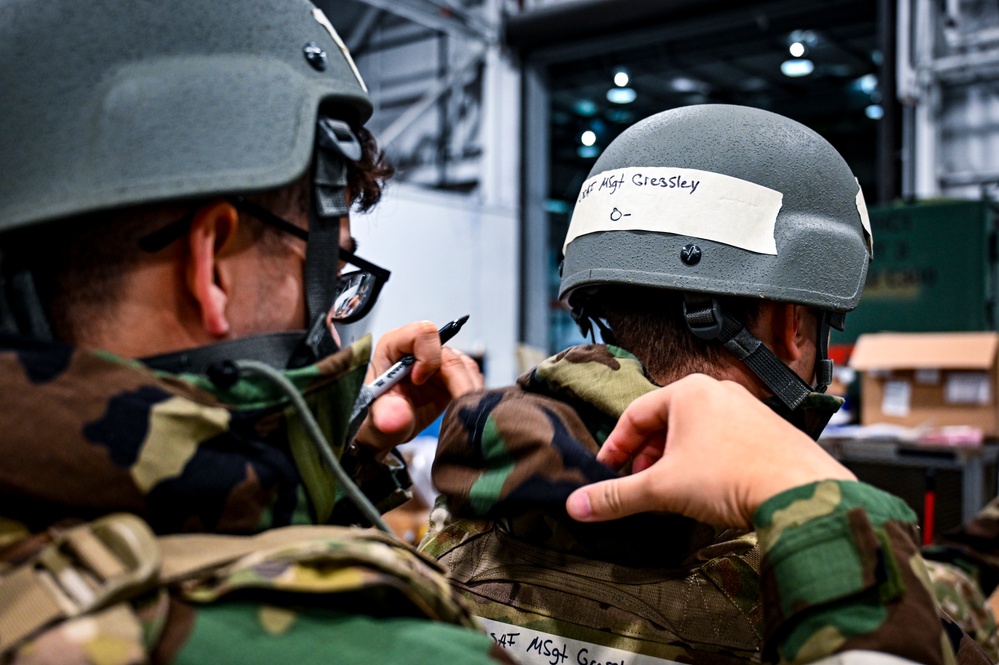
[
  {"x": 721, "y": 53},
  {"x": 674, "y": 52}
]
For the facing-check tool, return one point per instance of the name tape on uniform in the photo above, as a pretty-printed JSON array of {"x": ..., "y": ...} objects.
[
  {"x": 686, "y": 202},
  {"x": 533, "y": 647}
]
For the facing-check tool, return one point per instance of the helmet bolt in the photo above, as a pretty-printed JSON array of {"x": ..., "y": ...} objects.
[
  {"x": 315, "y": 56},
  {"x": 690, "y": 254}
]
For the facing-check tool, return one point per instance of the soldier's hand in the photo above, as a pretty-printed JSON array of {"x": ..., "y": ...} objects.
[
  {"x": 439, "y": 375},
  {"x": 705, "y": 448}
]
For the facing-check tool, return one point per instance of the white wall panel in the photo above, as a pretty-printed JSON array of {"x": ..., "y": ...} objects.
[{"x": 449, "y": 256}]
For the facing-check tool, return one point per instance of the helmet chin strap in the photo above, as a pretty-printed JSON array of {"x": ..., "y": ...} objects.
[
  {"x": 335, "y": 143},
  {"x": 21, "y": 310},
  {"x": 274, "y": 349},
  {"x": 706, "y": 320}
]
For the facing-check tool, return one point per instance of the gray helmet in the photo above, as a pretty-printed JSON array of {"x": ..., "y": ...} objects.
[
  {"x": 122, "y": 102},
  {"x": 822, "y": 244},
  {"x": 720, "y": 200}
]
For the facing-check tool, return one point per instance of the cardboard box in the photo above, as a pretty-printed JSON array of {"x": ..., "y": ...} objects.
[{"x": 931, "y": 379}]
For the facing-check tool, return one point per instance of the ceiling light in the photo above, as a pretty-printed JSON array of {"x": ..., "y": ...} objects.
[
  {"x": 797, "y": 49},
  {"x": 874, "y": 112},
  {"x": 588, "y": 138},
  {"x": 684, "y": 84},
  {"x": 621, "y": 95},
  {"x": 621, "y": 78},
  {"x": 585, "y": 107},
  {"x": 867, "y": 83},
  {"x": 798, "y": 67}
]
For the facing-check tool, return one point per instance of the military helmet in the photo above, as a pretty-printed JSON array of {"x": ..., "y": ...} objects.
[
  {"x": 724, "y": 200},
  {"x": 720, "y": 200},
  {"x": 120, "y": 102}
]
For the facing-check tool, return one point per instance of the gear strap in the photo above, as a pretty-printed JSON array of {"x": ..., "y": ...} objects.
[
  {"x": 707, "y": 321},
  {"x": 86, "y": 568},
  {"x": 336, "y": 144},
  {"x": 117, "y": 557},
  {"x": 186, "y": 555}
]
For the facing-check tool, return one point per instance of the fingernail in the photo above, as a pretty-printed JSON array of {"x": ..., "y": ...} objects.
[{"x": 579, "y": 505}]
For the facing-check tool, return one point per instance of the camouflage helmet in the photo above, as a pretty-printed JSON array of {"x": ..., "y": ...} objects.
[
  {"x": 805, "y": 241},
  {"x": 720, "y": 200},
  {"x": 120, "y": 102}
]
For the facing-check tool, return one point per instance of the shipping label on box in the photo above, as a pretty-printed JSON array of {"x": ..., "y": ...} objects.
[
  {"x": 897, "y": 399},
  {"x": 968, "y": 388},
  {"x": 929, "y": 379}
]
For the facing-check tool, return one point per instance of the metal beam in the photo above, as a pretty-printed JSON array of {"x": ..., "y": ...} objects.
[
  {"x": 447, "y": 19},
  {"x": 535, "y": 278},
  {"x": 413, "y": 113},
  {"x": 362, "y": 29}
]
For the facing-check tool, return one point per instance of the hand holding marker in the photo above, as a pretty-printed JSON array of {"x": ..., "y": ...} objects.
[
  {"x": 401, "y": 369},
  {"x": 395, "y": 374}
]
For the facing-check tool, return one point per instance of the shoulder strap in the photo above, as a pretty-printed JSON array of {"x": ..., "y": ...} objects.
[
  {"x": 85, "y": 568},
  {"x": 185, "y": 555},
  {"x": 117, "y": 557}
]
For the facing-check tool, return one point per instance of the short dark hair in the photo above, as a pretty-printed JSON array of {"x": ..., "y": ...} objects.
[
  {"x": 367, "y": 176},
  {"x": 80, "y": 261},
  {"x": 649, "y": 323}
]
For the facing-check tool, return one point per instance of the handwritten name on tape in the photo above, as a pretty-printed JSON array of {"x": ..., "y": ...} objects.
[
  {"x": 686, "y": 202},
  {"x": 534, "y": 647}
]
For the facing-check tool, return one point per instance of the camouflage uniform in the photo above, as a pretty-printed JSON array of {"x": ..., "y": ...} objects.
[
  {"x": 969, "y": 558},
  {"x": 960, "y": 596},
  {"x": 974, "y": 547},
  {"x": 659, "y": 586},
  {"x": 87, "y": 434}
]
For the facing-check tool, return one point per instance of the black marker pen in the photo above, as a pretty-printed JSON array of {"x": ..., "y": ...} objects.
[{"x": 401, "y": 369}]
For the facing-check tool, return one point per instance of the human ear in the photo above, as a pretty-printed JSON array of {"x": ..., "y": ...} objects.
[
  {"x": 808, "y": 326},
  {"x": 212, "y": 229},
  {"x": 786, "y": 331}
]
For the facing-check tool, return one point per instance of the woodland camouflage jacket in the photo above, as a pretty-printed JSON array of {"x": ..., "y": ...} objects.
[
  {"x": 84, "y": 435},
  {"x": 831, "y": 567}
]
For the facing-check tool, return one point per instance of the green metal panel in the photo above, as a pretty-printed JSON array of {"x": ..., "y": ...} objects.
[{"x": 933, "y": 270}]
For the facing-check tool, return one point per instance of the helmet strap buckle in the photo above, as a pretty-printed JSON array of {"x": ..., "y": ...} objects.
[
  {"x": 21, "y": 309},
  {"x": 703, "y": 315},
  {"x": 823, "y": 365},
  {"x": 705, "y": 318}
]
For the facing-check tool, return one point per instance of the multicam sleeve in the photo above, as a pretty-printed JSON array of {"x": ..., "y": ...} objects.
[{"x": 841, "y": 572}]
